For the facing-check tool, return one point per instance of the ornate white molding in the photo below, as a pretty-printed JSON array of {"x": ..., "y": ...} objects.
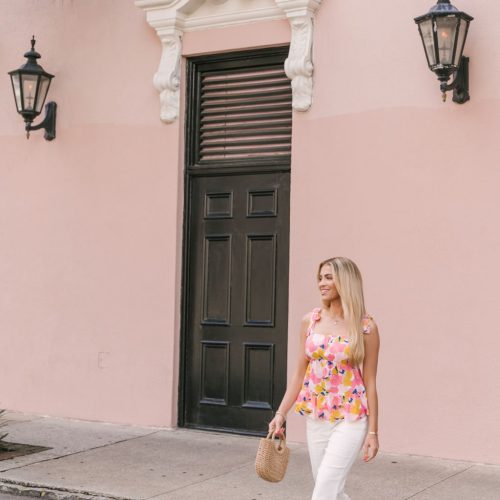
[
  {"x": 171, "y": 18},
  {"x": 168, "y": 77},
  {"x": 193, "y": 15},
  {"x": 299, "y": 64}
]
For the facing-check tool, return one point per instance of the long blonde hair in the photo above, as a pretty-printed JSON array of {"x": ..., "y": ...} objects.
[{"x": 349, "y": 285}]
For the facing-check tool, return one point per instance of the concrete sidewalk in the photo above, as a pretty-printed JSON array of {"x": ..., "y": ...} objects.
[{"x": 90, "y": 460}]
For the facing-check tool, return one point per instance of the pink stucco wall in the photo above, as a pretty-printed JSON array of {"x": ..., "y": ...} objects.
[
  {"x": 88, "y": 223},
  {"x": 407, "y": 186},
  {"x": 382, "y": 171}
]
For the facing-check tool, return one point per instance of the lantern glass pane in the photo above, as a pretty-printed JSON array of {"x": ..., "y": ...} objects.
[
  {"x": 29, "y": 83},
  {"x": 446, "y": 28},
  {"x": 462, "y": 33},
  {"x": 42, "y": 92},
  {"x": 16, "y": 84},
  {"x": 428, "y": 39}
]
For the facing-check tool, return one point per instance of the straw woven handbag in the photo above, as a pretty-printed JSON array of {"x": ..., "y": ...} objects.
[{"x": 272, "y": 458}]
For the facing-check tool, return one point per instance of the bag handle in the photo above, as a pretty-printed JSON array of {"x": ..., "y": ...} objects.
[{"x": 281, "y": 443}]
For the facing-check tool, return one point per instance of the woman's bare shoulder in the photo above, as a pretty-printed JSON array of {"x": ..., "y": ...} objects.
[
  {"x": 313, "y": 315},
  {"x": 306, "y": 321},
  {"x": 307, "y": 317}
]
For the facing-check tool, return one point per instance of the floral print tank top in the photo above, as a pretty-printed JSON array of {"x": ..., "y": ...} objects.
[{"x": 332, "y": 388}]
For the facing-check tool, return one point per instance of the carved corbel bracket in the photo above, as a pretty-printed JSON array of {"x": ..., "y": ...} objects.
[
  {"x": 167, "y": 18},
  {"x": 168, "y": 77},
  {"x": 171, "y": 18},
  {"x": 299, "y": 64}
]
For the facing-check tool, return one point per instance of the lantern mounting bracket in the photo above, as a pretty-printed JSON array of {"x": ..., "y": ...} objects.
[
  {"x": 460, "y": 84},
  {"x": 48, "y": 123}
]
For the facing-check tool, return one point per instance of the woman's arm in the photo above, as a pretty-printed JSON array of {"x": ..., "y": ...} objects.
[
  {"x": 372, "y": 345},
  {"x": 293, "y": 388}
]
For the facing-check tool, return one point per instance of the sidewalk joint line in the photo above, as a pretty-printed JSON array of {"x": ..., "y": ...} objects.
[{"x": 439, "y": 482}]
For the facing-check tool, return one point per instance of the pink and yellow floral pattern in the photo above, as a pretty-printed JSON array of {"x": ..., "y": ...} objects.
[{"x": 332, "y": 388}]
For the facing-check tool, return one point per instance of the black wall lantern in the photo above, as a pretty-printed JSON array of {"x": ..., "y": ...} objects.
[
  {"x": 30, "y": 84},
  {"x": 443, "y": 31}
]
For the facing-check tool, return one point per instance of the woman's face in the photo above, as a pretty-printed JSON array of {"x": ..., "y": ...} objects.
[{"x": 326, "y": 284}]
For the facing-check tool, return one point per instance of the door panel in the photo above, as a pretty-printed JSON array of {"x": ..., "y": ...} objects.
[{"x": 237, "y": 300}]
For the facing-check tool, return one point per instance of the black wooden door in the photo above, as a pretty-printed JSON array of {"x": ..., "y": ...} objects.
[
  {"x": 236, "y": 322},
  {"x": 235, "y": 300}
]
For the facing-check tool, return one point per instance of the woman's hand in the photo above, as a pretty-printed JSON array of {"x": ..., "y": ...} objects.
[
  {"x": 370, "y": 448},
  {"x": 276, "y": 424}
]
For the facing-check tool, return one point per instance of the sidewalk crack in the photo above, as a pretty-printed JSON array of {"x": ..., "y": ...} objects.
[{"x": 439, "y": 482}]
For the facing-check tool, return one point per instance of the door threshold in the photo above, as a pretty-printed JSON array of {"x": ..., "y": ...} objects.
[{"x": 224, "y": 430}]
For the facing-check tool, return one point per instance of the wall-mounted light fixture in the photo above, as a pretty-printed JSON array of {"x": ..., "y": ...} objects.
[
  {"x": 30, "y": 84},
  {"x": 443, "y": 31}
]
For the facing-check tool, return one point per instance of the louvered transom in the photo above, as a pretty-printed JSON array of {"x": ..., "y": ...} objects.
[{"x": 245, "y": 114}]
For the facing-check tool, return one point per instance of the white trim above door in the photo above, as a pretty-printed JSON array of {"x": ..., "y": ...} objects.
[{"x": 171, "y": 18}]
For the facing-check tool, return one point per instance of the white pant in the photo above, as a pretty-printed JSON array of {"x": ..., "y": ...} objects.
[{"x": 333, "y": 448}]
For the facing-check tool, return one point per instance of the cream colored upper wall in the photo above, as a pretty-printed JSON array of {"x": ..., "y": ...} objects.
[{"x": 374, "y": 59}]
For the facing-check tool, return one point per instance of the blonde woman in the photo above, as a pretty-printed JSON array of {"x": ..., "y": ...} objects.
[{"x": 334, "y": 382}]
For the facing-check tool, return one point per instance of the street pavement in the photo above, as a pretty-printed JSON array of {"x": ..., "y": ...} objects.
[{"x": 96, "y": 461}]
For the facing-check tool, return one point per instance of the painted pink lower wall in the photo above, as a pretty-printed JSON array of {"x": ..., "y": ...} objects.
[
  {"x": 385, "y": 173},
  {"x": 425, "y": 236},
  {"x": 382, "y": 172},
  {"x": 89, "y": 222}
]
